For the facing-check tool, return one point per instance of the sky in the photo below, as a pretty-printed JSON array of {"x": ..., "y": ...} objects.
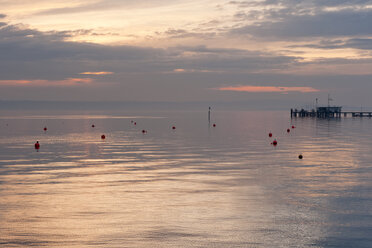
[{"x": 256, "y": 51}]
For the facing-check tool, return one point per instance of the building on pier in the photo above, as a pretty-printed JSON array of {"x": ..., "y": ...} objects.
[{"x": 327, "y": 112}]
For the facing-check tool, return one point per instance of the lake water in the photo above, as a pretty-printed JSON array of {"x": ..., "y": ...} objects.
[{"x": 195, "y": 186}]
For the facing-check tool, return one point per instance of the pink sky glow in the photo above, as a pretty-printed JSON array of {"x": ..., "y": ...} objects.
[
  {"x": 97, "y": 73},
  {"x": 281, "y": 89}
]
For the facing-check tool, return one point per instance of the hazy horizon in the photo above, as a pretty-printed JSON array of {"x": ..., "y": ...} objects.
[{"x": 133, "y": 106}]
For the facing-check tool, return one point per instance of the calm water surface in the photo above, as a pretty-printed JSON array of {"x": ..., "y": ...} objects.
[{"x": 196, "y": 186}]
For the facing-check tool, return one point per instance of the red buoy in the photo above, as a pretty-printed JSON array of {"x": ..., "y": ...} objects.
[
  {"x": 144, "y": 131},
  {"x": 93, "y": 125},
  {"x": 173, "y": 127},
  {"x": 275, "y": 142},
  {"x": 270, "y": 135},
  {"x": 293, "y": 127},
  {"x": 135, "y": 123},
  {"x": 103, "y": 136},
  {"x": 37, "y": 145},
  {"x": 214, "y": 125},
  {"x": 45, "y": 128},
  {"x": 288, "y": 130}
]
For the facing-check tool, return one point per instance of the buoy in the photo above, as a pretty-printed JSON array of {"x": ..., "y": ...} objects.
[
  {"x": 37, "y": 145},
  {"x": 135, "y": 123},
  {"x": 173, "y": 127},
  {"x": 275, "y": 142},
  {"x": 293, "y": 127},
  {"x": 103, "y": 136},
  {"x": 131, "y": 121},
  {"x": 270, "y": 135},
  {"x": 214, "y": 125},
  {"x": 144, "y": 131},
  {"x": 93, "y": 125},
  {"x": 288, "y": 130},
  {"x": 300, "y": 156},
  {"x": 45, "y": 128}
]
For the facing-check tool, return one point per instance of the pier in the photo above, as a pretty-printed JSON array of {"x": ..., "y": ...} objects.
[{"x": 329, "y": 112}]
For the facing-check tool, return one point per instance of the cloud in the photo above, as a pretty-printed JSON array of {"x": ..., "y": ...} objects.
[
  {"x": 180, "y": 70},
  {"x": 356, "y": 43},
  {"x": 103, "y": 5},
  {"x": 44, "y": 63},
  {"x": 19, "y": 41},
  {"x": 29, "y": 53},
  {"x": 301, "y": 3},
  {"x": 289, "y": 19},
  {"x": 183, "y": 33},
  {"x": 65, "y": 82},
  {"x": 331, "y": 24},
  {"x": 202, "y": 58},
  {"x": 266, "y": 89},
  {"x": 97, "y": 6},
  {"x": 96, "y": 73},
  {"x": 2, "y": 16}
]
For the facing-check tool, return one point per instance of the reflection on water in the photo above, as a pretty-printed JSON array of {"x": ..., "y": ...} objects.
[{"x": 196, "y": 186}]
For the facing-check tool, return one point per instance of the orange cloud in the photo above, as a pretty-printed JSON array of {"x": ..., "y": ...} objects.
[
  {"x": 97, "y": 73},
  {"x": 180, "y": 70},
  {"x": 15, "y": 82},
  {"x": 252, "y": 88},
  {"x": 78, "y": 80},
  {"x": 65, "y": 82}
]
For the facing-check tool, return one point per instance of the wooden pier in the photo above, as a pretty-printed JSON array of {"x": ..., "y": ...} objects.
[{"x": 329, "y": 112}]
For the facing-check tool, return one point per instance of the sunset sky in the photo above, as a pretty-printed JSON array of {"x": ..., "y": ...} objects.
[{"x": 187, "y": 50}]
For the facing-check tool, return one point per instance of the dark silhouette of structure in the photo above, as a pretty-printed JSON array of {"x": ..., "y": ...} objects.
[{"x": 329, "y": 112}]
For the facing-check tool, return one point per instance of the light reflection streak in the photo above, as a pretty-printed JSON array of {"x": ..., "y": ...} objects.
[{"x": 76, "y": 117}]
